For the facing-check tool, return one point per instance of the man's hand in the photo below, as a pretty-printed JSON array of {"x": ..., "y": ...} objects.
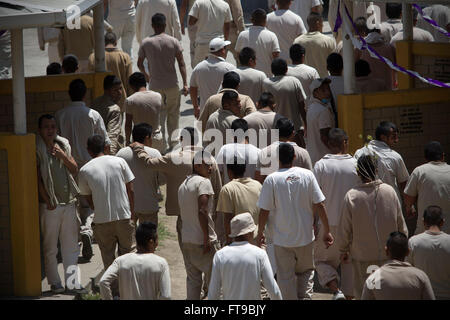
[
  {"x": 260, "y": 240},
  {"x": 411, "y": 212},
  {"x": 57, "y": 152},
  {"x": 50, "y": 207},
  {"x": 345, "y": 258},
  {"x": 206, "y": 246},
  {"x": 147, "y": 77},
  {"x": 185, "y": 91},
  {"x": 136, "y": 144},
  {"x": 182, "y": 29},
  {"x": 196, "y": 112},
  {"x": 328, "y": 239}
]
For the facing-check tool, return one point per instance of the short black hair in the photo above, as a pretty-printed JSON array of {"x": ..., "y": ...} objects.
[
  {"x": 231, "y": 80},
  {"x": 312, "y": 19},
  {"x": 54, "y": 68},
  {"x": 259, "y": 16},
  {"x": 384, "y": 128},
  {"x": 397, "y": 245},
  {"x": 279, "y": 67},
  {"x": 110, "y": 81},
  {"x": 137, "y": 80},
  {"x": 266, "y": 100},
  {"x": 239, "y": 124},
  {"x": 336, "y": 136},
  {"x": 96, "y": 144},
  {"x": 361, "y": 25},
  {"x": 45, "y": 116},
  {"x": 296, "y": 52},
  {"x": 229, "y": 96},
  {"x": 335, "y": 63},
  {"x": 70, "y": 63},
  {"x": 200, "y": 157},
  {"x": 432, "y": 216},
  {"x": 237, "y": 167},
  {"x": 366, "y": 167},
  {"x": 191, "y": 133},
  {"x": 393, "y": 10},
  {"x": 141, "y": 131},
  {"x": 245, "y": 55},
  {"x": 285, "y": 127},
  {"x": 145, "y": 232},
  {"x": 286, "y": 153},
  {"x": 159, "y": 20},
  {"x": 77, "y": 90},
  {"x": 433, "y": 151},
  {"x": 110, "y": 38},
  {"x": 362, "y": 68}
]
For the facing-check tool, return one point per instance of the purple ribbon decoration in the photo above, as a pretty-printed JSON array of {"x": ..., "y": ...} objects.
[
  {"x": 338, "y": 23},
  {"x": 433, "y": 23},
  {"x": 391, "y": 64}
]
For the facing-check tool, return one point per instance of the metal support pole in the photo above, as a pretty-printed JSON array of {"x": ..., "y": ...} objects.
[
  {"x": 18, "y": 81},
  {"x": 347, "y": 52},
  {"x": 407, "y": 19},
  {"x": 99, "y": 32}
]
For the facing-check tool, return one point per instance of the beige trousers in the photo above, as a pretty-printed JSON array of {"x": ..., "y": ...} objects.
[
  {"x": 295, "y": 271},
  {"x": 192, "y": 32},
  {"x": 201, "y": 52},
  {"x": 118, "y": 233},
  {"x": 361, "y": 272},
  {"x": 170, "y": 112},
  {"x": 196, "y": 264},
  {"x": 327, "y": 262}
]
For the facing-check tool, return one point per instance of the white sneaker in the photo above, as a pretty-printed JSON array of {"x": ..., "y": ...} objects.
[{"x": 339, "y": 296}]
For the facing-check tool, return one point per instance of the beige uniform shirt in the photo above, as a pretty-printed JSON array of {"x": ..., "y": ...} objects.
[
  {"x": 239, "y": 196},
  {"x": 120, "y": 64},
  {"x": 389, "y": 28},
  {"x": 251, "y": 83},
  {"x": 370, "y": 212},
  {"x": 79, "y": 42},
  {"x": 237, "y": 25},
  {"x": 430, "y": 252},
  {"x": 215, "y": 103},
  {"x": 305, "y": 74},
  {"x": 263, "y": 122},
  {"x": 220, "y": 120},
  {"x": 288, "y": 93},
  {"x": 318, "y": 47},
  {"x": 369, "y": 84},
  {"x": 430, "y": 183},
  {"x": 397, "y": 280},
  {"x": 113, "y": 119},
  {"x": 418, "y": 35},
  {"x": 145, "y": 106},
  {"x": 176, "y": 166}
]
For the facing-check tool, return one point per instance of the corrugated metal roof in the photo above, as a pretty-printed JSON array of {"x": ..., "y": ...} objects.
[{"x": 16, "y": 14}]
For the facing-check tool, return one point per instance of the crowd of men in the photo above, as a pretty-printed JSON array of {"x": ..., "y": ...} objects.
[{"x": 265, "y": 191}]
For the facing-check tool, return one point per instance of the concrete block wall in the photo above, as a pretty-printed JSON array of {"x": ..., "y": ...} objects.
[
  {"x": 418, "y": 124},
  {"x": 6, "y": 269},
  {"x": 431, "y": 67},
  {"x": 38, "y": 103}
]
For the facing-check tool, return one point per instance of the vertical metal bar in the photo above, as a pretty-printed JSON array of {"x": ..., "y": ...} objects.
[
  {"x": 18, "y": 81},
  {"x": 99, "y": 32}
]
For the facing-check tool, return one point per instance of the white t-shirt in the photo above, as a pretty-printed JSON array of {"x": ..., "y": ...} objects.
[
  {"x": 287, "y": 26},
  {"x": 211, "y": 16},
  {"x": 318, "y": 116},
  {"x": 303, "y": 7},
  {"x": 105, "y": 178},
  {"x": 120, "y": 9},
  {"x": 141, "y": 276},
  {"x": 418, "y": 35},
  {"x": 264, "y": 42},
  {"x": 391, "y": 168},
  {"x": 207, "y": 76},
  {"x": 306, "y": 75},
  {"x": 147, "y": 180},
  {"x": 336, "y": 174},
  {"x": 247, "y": 153},
  {"x": 238, "y": 270},
  {"x": 290, "y": 194},
  {"x": 190, "y": 190},
  {"x": 251, "y": 83}
]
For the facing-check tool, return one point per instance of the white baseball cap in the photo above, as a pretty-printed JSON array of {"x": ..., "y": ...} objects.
[
  {"x": 317, "y": 83},
  {"x": 242, "y": 224},
  {"x": 218, "y": 43}
]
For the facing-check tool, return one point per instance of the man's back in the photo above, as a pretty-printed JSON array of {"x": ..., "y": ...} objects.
[
  {"x": 239, "y": 268},
  {"x": 141, "y": 276},
  {"x": 264, "y": 42},
  {"x": 318, "y": 47},
  {"x": 145, "y": 106},
  {"x": 146, "y": 9},
  {"x": 397, "y": 280},
  {"x": 287, "y": 26},
  {"x": 79, "y": 42},
  {"x": 288, "y": 93},
  {"x": 305, "y": 74},
  {"x": 369, "y": 84},
  {"x": 430, "y": 252},
  {"x": 220, "y": 120},
  {"x": 77, "y": 123},
  {"x": 263, "y": 120},
  {"x": 390, "y": 28},
  {"x": 251, "y": 83},
  {"x": 418, "y": 35},
  {"x": 246, "y": 153},
  {"x": 147, "y": 180},
  {"x": 105, "y": 178}
]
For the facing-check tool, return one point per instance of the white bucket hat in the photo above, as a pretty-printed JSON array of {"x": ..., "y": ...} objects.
[{"x": 242, "y": 224}]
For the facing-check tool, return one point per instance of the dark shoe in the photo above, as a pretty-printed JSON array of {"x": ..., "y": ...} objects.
[
  {"x": 57, "y": 288},
  {"x": 87, "y": 247},
  {"x": 77, "y": 291}
]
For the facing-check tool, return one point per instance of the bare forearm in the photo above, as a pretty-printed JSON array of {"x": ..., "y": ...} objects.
[
  {"x": 319, "y": 209},
  {"x": 226, "y": 30},
  {"x": 263, "y": 215},
  {"x": 227, "y": 223},
  {"x": 203, "y": 219},
  {"x": 194, "y": 97}
]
